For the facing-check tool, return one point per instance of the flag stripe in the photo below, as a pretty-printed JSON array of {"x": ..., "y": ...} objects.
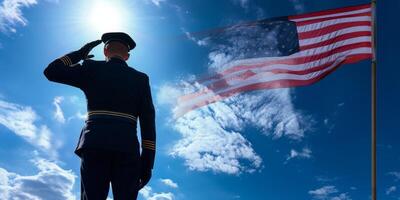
[
  {"x": 331, "y": 11},
  {"x": 219, "y": 85},
  {"x": 305, "y": 58},
  {"x": 314, "y": 21},
  {"x": 330, "y": 29},
  {"x": 278, "y": 83},
  {"x": 330, "y": 15},
  {"x": 298, "y": 58},
  {"x": 354, "y": 36},
  {"x": 318, "y": 26},
  {"x": 333, "y": 34}
]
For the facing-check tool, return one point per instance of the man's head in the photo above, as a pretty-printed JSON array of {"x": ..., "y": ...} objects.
[
  {"x": 117, "y": 44},
  {"x": 116, "y": 49}
]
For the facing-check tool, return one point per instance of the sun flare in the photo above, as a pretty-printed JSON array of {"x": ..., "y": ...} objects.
[{"x": 105, "y": 16}]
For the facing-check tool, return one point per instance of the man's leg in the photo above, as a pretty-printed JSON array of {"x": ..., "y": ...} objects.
[
  {"x": 95, "y": 174},
  {"x": 125, "y": 176}
]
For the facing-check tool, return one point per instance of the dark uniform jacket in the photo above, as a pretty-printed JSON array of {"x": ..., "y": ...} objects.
[{"x": 115, "y": 89}]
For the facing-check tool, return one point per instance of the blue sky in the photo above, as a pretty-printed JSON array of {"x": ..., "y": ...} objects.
[{"x": 301, "y": 143}]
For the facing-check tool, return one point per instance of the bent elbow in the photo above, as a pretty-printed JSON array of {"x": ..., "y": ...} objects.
[{"x": 49, "y": 72}]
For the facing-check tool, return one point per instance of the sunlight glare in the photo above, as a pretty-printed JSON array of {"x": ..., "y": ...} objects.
[{"x": 106, "y": 17}]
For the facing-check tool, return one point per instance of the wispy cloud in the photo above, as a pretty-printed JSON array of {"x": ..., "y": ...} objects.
[
  {"x": 58, "y": 113},
  {"x": 157, "y": 2},
  {"x": 242, "y": 3},
  {"x": 21, "y": 120},
  {"x": 298, "y": 6},
  {"x": 390, "y": 190},
  {"x": 396, "y": 175},
  {"x": 305, "y": 153},
  {"x": 202, "y": 42},
  {"x": 212, "y": 136},
  {"x": 169, "y": 183},
  {"x": 250, "y": 7},
  {"x": 11, "y": 14},
  {"x": 148, "y": 194},
  {"x": 207, "y": 145},
  {"x": 51, "y": 182},
  {"x": 326, "y": 179},
  {"x": 328, "y": 193}
]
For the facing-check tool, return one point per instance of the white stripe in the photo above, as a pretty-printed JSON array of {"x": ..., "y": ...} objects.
[
  {"x": 320, "y": 25},
  {"x": 267, "y": 76},
  {"x": 333, "y": 15},
  {"x": 333, "y": 34},
  {"x": 298, "y": 67}
]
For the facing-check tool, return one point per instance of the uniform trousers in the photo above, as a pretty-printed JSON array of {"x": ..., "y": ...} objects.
[{"x": 99, "y": 168}]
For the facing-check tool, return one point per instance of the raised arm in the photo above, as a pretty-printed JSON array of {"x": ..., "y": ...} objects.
[
  {"x": 67, "y": 69},
  {"x": 148, "y": 133}
]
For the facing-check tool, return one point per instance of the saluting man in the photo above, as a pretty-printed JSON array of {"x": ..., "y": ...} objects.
[{"x": 117, "y": 96}]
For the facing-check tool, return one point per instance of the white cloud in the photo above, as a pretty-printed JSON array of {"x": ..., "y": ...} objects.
[
  {"x": 11, "y": 14},
  {"x": 207, "y": 144},
  {"x": 78, "y": 115},
  {"x": 148, "y": 194},
  {"x": 51, "y": 182},
  {"x": 189, "y": 36},
  {"x": 298, "y": 6},
  {"x": 326, "y": 179},
  {"x": 21, "y": 120},
  {"x": 167, "y": 94},
  {"x": 58, "y": 113},
  {"x": 391, "y": 190},
  {"x": 169, "y": 183},
  {"x": 157, "y": 2},
  {"x": 242, "y": 3},
  {"x": 211, "y": 135},
  {"x": 396, "y": 175},
  {"x": 305, "y": 153},
  {"x": 328, "y": 193}
]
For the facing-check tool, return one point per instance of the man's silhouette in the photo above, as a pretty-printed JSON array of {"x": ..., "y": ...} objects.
[{"x": 117, "y": 95}]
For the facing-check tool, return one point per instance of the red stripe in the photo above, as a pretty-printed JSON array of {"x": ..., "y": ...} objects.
[
  {"x": 331, "y": 11},
  {"x": 331, "y": 28},
  {"x": 223, "y": 83},
  {"x": 336, "y": 39},
  {"x": 293, "y": 61},
  {"x": 299, "y": 60},
  {"x": 275, "y": 84},
  {"x": 303, "y": 23}
]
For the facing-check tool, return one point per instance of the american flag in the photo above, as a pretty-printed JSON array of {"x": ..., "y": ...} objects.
[{"x": 285, "y": 52}]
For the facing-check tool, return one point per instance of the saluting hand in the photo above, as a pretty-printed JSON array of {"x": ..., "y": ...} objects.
[{"x": 85, "y": 50}]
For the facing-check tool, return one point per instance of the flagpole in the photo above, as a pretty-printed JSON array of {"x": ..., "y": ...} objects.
[{"x": 373, "y": 103}]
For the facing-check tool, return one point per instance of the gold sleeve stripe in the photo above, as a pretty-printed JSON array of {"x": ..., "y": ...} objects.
[
  {"x": 68, "y": 60},
  {"x": 149, "y": 141},
  {"x": 149, "y": 147},
  {"x": 148, "y": 144},
  {"x": 119, "y": 114},
  {"x": 62, "y": 59}
]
